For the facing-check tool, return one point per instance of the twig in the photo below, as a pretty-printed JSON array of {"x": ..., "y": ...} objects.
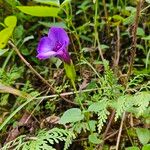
[
  {"x": 134, "y": 38},
  {"x": 29, "y": 65},
  {"x": 120, "y": 131},
  {"x": 67, "y": 93},
  {"x": 117, "y": 51}
]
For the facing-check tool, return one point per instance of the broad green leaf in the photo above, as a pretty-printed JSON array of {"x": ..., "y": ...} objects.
[
  {"x": 146, "y": 147},
  {"x": 10, "y": 21},
  {"x": 6, "y": 33},
  {"x": 39, "y": 11},
  {"x": 93, "y": 138},
  {"x": 71, "y": 115},
  {"x": 4, "y": 36},
  {"x": 132, "y": 148},
  {"x": 143, "y": 135}
]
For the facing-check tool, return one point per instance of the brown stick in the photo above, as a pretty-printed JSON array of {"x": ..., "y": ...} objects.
[
  {"x": 134, "y": 38},
  {"x": 120, "y": 131}
]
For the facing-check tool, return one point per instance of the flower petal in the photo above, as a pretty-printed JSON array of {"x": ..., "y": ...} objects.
[
  {"x": 64, "y": 55},
  {"x": 45, "y": 45},
  {"x": 57, "y": 34},
  {"x": 45, "y": 55}
]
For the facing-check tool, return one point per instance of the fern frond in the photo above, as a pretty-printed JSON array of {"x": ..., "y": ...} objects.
[
  {"x": 69, "y": 140},
  {"x": 100, "y": 108},
  {"x": 137, "y": 104},
  {"x": 102, "y": 117}
]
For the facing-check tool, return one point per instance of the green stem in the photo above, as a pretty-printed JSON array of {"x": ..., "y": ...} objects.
[
  {"x": 7, "y": 60},
  {"x": 77, "y": 95}
]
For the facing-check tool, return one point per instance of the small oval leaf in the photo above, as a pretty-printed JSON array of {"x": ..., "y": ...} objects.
[{"x": 71, "y": 115}]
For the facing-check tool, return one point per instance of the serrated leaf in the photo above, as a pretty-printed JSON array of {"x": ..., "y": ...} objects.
[
  {"x": 39, "y": 11},
  {"x": 140, "y": 32},
  {"x": 97, "y": 106},
  {"x": 143, "y": 135},
  {"x": 129, "y": 20},
  {"x": 71, "y": 115},
  {"x": 93, "y": 138}
]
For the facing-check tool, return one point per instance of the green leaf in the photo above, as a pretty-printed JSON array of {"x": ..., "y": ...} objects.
[
  {"x": 71, "y": 115},
  {"x": 140, "y": 32},
  {"x": 2, "y": 51},
  {"x": 70, "y": 71},
  {"x": 4, "y": 36},
  {"x": 39, "y": 11},
  {"x": 129, "y": 20},
  {"x": 143, "y": 135},
  {"x": 146, "y": 37},
  {"x": 146, "y": 147},
  {"x": 97, "y": 106},
  {"x": 132, "y": 148},
  {"x": 10, "y": 21},
  {"x": 6, "y": 33},
  {"x": 93, "y": 138},
  {"x": 49, "y": 2}
]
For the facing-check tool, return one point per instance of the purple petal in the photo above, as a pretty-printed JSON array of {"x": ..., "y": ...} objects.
[
  {"x": 45, "y": 55},
  {"x": 64, "y": 56},
  {"x": 45, "y": 45},
  {"x": 58, "y": 34}
]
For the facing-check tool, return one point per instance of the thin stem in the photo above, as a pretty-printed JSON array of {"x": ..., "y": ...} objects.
[
  {"x": 6, "y": 61},
  {"x": 73, "y": 84},
  {"x": 96, "y": 32},
  {"x": 120, "y": 131},
  {"x": 134, "y": 38}
]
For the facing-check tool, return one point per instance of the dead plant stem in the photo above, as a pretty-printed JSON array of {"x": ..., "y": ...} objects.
[
  {"x": 134, "y": 38},
  {"x": 120, "y": 131}
]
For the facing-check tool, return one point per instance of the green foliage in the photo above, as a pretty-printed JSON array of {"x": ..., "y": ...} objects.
[
  {"x": 9, "y": 23},
  {"x": 44, "y": 140},
  {"x": 40, "y": 11},
  {"x": 136, "y": 104},
  {"x": 71, "y": 115},
  {"x": 143, "y": 135},
  {"x": 70, "y": 71}
]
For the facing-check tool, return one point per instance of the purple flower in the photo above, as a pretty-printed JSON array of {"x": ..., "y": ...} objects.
[{"x": 54, "y": 45}]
